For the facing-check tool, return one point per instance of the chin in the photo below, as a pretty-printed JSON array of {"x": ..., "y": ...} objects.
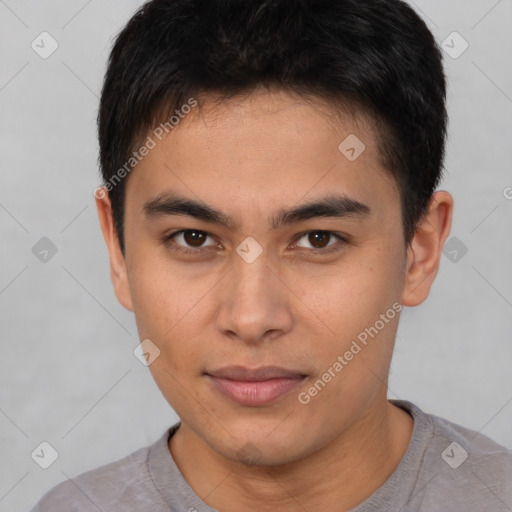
[{"x": 267, "y": 443}]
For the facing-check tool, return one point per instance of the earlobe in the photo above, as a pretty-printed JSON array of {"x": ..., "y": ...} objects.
[
  {"x": 425, "y": 250},
  {"x": 118, "y": 272}
]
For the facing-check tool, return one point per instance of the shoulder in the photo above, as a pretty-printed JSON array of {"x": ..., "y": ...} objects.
[
  {"x": 462, "y": 445},
  {"x": 463, "y": 464},
  {"x": 125, "y": 484}
]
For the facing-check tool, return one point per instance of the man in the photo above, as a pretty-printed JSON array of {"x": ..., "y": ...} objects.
[{"x": 269, "y": 205}]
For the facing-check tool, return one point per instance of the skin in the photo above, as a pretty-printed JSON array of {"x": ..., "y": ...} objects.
[{"x": 250, "y": 158}]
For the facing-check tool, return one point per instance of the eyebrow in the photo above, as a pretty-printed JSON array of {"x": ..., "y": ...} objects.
[{"x": 334, "y": 205}]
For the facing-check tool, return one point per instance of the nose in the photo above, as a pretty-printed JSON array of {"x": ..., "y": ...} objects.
[{"x": 254, "y": 306}]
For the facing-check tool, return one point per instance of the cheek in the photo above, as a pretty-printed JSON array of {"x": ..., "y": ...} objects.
[
  {"x": 358, "y": 305},
  {"x": 355, "y": 291},
  {"x": 161, "y": 294},
  {"x": 171, "y": 307}
]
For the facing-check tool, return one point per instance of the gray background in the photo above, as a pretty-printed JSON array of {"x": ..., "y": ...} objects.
[{"x": 68, "y": 374}]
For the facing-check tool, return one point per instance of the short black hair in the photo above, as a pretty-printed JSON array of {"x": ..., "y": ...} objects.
[{"x": 377, "y": 56}]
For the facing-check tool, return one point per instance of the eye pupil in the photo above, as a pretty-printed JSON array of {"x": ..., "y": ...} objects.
[
  {"x": 319, "y": 236},
  {"x": 194, "y": 238}
]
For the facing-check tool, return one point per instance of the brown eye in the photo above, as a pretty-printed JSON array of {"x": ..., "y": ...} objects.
[
  {"x": 187, "y": 240},
  {"x": 319, "y": 239},
  {"x": 194, "y": 238}
]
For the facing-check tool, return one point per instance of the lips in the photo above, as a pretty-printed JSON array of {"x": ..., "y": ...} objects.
[{"x": 255, "y": 387}]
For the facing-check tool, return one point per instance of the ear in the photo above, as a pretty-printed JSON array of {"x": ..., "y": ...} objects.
[
  {"x": 425, "y": 250},
  {"x": 118, "y": 272}
]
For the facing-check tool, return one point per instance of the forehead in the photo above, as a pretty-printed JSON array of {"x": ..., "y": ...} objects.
[
  {"x": 268, "y": 121},
  {"x": 264, "y": 150}
]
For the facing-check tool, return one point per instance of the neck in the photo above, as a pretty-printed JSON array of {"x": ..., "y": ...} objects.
[{"x": 339, "y": 476}]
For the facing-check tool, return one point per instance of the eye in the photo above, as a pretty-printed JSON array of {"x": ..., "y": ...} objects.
[
  {"x": 192, "y": 241},
  {"x": 188, "y": 240},
  {"x": 320, "y": 240}
]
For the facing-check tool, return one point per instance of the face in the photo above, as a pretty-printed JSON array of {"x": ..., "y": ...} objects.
[{"x": 256, "y": 276}]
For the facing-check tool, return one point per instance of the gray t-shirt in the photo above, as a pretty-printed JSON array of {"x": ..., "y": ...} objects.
[{"x": 446, "y": 468}]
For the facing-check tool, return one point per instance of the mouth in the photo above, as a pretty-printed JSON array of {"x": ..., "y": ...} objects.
[{"x": 255, "y": 387}]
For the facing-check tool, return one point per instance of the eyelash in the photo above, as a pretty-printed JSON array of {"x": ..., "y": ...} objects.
[{"x": 168, "y": 239}]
